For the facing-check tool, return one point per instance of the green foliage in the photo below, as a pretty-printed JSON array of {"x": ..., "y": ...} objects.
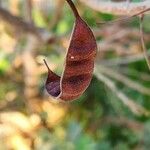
[
  {"x": 4, "y": 64},
  {"x": 38, "y": 19},
  {"x": 93, "y": 121},
  {"x": 74, "y": 139}
]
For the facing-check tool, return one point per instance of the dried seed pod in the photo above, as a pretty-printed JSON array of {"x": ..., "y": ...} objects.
[{"x": 79, "y": 64}]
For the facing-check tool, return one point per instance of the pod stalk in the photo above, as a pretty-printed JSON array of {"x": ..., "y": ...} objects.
[
  {"x": 46, "y": 64},
  {"x": 76, "y": 14}
]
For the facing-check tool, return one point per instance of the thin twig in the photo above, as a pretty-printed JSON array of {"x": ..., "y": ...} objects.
[
  {"x": 126, "y": 122},
  {"x": 22, "y": 26},
  {"x": 134, "y": 107},
  {"x": 143, "y": 43},
  {"x": 125, "y": 18},
  {"x": 123, "y": 60},
  {"x": 17, "y": 22},
  {"x": 28, "y": 11},
  {"x": 57, "y": 13},
  {"x": 135, "y": 73},
  {"x": 31, "y": 91},
  {"x": 117, "y": 8},
  {"x": 123, "y": 79}
]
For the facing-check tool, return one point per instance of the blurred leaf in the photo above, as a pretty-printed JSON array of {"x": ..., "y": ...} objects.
[
  {"x": 104, "y": 145},
  {"x": 62, "y": 27},
  {"x": 38, "y": 18},
  {"x": 74, "y": 131},
  {"x": 4, "y": 64},
  {"x": 122, "y": 146},
  {"x": 146, "y": 136}
]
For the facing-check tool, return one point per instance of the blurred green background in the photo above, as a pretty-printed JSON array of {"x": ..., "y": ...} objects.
[{"x": 113, "y": 113}]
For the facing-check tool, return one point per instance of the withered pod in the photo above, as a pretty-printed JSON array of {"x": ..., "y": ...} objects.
[{"x": 79, "y": 63}]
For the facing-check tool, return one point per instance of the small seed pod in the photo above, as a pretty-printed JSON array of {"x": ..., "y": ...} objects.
[{"x": 79, "y": 63}]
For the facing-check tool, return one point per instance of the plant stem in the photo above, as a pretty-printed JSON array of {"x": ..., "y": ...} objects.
[
  {"x": 46, "y": 64},
  {"x": 72, "y": 6}
]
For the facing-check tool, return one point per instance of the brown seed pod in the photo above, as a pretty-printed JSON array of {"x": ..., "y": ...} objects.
[{"x": 79, "y": 63}]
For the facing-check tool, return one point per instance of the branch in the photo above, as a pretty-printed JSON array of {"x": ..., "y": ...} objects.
[
  {"x": 117, "y": 8},
  {"x": 18, "y": 23},
  {"x": 126, "y": 122},
  {"x": 57, "y": 14},
  {"x": 123, "y": 60},
  {"x": 28, "y": 11},
  {"x": 27, "y": 28},
  {"x": 135, "y": 73},
  {"x": 143, "y": 43},
  {"x": 135, "y": 108},
  {"x": 125, "y": 80}
]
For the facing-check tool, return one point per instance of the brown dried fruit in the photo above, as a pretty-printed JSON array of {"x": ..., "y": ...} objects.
[{"x": 79, "y": 63}]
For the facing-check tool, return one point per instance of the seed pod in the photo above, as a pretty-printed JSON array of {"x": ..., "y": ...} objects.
[{"x": 79, "y": 63}]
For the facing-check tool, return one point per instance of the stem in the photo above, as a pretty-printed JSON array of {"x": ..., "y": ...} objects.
[
  {"x": 125, "y": 18},
  {"x": 143, "y": 43},
  {"x": 46, "y": 64},
  {"x": 72, "y": 6}
]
